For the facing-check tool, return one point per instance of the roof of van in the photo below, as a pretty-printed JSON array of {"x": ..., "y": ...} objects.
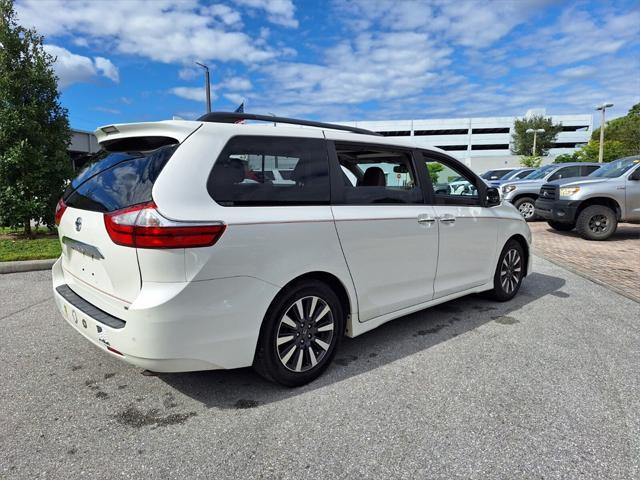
[{"x": 181, "y": 129}]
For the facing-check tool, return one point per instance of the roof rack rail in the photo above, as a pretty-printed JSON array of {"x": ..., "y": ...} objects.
[{"x": 234, "y": 117}]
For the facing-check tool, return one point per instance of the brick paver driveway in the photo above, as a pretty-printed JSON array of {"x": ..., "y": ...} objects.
[{"x": 614, "y": 263}]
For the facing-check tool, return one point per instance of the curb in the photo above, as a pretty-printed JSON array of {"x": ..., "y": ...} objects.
[{"x": 27, "y": 265}]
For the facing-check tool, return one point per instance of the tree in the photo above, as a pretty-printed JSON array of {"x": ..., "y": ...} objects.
[
  {"x": 34, "y": 129},
  {"x": 522, "y": 142},
  {"x": 565, "y": 158},
  {"x": 434, "y": 170},
  {"x": 530, "y": 161},
  {"x": 613, "y": 149},
  {"x": 625, "y": 130}
]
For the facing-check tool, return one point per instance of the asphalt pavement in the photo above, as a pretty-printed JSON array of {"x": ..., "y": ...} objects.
[{"x": 545, "y": 386}]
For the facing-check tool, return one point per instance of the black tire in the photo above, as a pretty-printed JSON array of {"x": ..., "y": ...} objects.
[
  {"x": 597, "y": 222},
  {"x": 561, "y": 226},
  {"x": 281, "y": 363},
  {"x": 504, "y": 291},
  {"x": 527, "y": 208}
]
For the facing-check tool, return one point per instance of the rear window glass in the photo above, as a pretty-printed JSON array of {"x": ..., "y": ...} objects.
[
  {"x": 263, "y": 171},
  {"x": 113, "y": 181},
  {"x": 495, "y": 174}
]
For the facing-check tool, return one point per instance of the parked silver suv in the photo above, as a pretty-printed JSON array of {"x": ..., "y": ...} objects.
[
  {"x": 594, "y": 205},
  {"x": 523, "y": 193}
]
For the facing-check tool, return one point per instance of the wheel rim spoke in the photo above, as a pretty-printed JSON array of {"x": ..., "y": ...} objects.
[
  {"x": 299, "y": 363},
  {"x": 326, "y": 328},
  {"x": 312, "y": 357},
  {"x": 285, "y": 339},
  {"x": 289, "y": 354},
  {"x": 323, "y": 345},
  {"x": 289, "y": 322}
]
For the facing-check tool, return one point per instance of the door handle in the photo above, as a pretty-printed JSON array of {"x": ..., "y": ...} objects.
[
  {"x": 425, "y": 219},
  {"x": 447, "y": 218}
]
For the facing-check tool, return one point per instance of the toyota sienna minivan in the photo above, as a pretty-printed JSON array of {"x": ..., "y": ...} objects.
[{"x": 182, "y": 249}]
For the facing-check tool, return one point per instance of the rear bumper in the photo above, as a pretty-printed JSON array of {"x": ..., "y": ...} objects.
[
  {"x": 557, "y": 210},
  {"x": 173, "y": 327}
]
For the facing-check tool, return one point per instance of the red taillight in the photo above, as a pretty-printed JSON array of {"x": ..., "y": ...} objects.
[
  {"x": 60, "y": 208},
  {"x": 142, "y": 226}
]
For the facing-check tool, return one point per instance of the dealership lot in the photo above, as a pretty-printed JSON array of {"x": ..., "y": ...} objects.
[
  {"x": 545, "y": 386},
  {"x": 615, "y": 263}
]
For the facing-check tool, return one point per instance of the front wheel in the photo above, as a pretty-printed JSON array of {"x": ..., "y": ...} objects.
[
  {"x": 527, "y": 208},
  {"x": 509, "y": 272},
  {"x": 561, "y": 226},
  {"x": 597, "y": 222},
  {"x": 300, "y": 334}
]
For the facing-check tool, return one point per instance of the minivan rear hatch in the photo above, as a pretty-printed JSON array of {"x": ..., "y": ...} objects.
[{"x": 92, "y": 263}]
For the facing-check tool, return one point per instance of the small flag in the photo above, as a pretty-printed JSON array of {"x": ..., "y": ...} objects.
[{"x": 240, "y": 109}]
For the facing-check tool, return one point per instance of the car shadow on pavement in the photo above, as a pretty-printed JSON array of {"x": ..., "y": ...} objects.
[{"x": 243, "y": 388}]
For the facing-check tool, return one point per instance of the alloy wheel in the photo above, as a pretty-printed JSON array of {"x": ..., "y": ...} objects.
[
  {"x": 526, "y": 209},
  {"x": 305, "y": 333},
  {"x": 598, "y": 224},
  {"x": 511, "y": 270}
]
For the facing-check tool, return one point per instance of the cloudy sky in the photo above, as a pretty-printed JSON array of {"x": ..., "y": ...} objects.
[{"x": 133, "y": 60}]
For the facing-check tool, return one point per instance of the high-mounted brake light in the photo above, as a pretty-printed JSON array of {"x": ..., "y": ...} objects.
[
  {"x": 142, "y": 226},
  {"x": 60, "y": 208}
]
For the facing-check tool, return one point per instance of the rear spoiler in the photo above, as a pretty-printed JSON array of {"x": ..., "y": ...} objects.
[{"x": 178, "y": 130}]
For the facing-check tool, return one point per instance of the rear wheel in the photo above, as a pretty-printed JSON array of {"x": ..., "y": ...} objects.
[
  {"x": 300, "y": 334},
  {"x": 509, "y": 272},
  {"x": 527, "y": 208},
  {"x": 561, "y": 226},
  {"x": 597, "y": 222}
]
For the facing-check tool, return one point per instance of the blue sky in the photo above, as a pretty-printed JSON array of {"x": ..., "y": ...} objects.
[{"x": 133, "y": 60}]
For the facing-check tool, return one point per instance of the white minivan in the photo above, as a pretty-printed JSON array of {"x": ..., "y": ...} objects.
[{"x": 181, "y": 250}]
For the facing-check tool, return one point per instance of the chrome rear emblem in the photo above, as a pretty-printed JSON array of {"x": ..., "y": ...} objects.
[{"x": 78, "y": 224}]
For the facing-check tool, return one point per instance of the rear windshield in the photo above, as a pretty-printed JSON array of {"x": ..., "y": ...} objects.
[{"x": 115, "y": 180}]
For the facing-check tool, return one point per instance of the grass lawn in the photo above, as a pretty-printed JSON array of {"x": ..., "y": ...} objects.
[{"x": 13, "y": 246}]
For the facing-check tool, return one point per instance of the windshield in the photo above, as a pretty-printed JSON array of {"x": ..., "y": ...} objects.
[
  {"x": 495, "y": 174},
  {"x": 540, "y": 173},
  {"x": 617, "y": 168}
]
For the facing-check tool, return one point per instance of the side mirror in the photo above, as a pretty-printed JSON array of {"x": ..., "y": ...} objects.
[
  {"x": 492, "y": 197},
  {"x": 635, "y": 175}
]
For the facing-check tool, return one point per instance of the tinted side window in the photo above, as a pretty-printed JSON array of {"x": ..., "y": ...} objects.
[
  {"x": 376, "y": 175},
  {"x": 566, "y": 172},
  {"x": 267, "y": 171},
  {"x": 587, "y": 169},
  {"x": 522, "y": 174},
  {"x": 451, "y": 186},
  {"x": 117, "y": 180}
]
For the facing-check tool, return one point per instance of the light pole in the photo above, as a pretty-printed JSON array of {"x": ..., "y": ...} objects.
[
  {"x": 602, "y": 107},
  {"x": 207, "y": 85},
  {"x": 535, "y": 132}
]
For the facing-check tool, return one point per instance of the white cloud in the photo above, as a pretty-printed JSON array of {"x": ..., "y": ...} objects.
[
  {"x": 189, "y": 73},
  {"x": 197, "y": 94},
  {"x": 280, "y": 12},
  {"x": 107, "y": 69},
  {"x": 71, "y": 68},
  {"x": 169, "y": 31}
]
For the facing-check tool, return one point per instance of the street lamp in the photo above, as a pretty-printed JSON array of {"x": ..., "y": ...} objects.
[
  {"x": 602, "y": 107},
  {"x": 535, "y": 132},
  {"x": 207, "y": 85}
]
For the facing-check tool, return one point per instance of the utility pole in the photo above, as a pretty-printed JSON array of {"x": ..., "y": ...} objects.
[
  {"x": 207, "y": 85},
  {"x": 535, "y": 132},
  {"x": 602, "y": 108}
]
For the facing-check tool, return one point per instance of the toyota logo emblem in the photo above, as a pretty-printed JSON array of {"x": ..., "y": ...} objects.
[{"x": 78, "y": 224}]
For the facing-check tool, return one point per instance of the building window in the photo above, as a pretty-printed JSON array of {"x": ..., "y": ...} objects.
[
  {"x": 451, "y": 131},
  {"x": 452, "y": 147},
  {"x": 501, "y": 146},
  {"x": 490, "y": 130},
  {"x": 397, "y": 133}
]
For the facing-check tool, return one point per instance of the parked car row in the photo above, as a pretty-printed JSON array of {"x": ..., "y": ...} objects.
[{"x": 590, "y": 197}]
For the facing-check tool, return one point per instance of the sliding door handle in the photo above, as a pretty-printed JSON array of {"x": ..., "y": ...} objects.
[
  {"x": 425, "y": 219},
  {"x": 447, "y": 218}
]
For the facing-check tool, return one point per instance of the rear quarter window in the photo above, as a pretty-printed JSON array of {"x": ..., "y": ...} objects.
[
  {"x": 117, "y": 180},
  {"x": 270, "y": 171}
]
